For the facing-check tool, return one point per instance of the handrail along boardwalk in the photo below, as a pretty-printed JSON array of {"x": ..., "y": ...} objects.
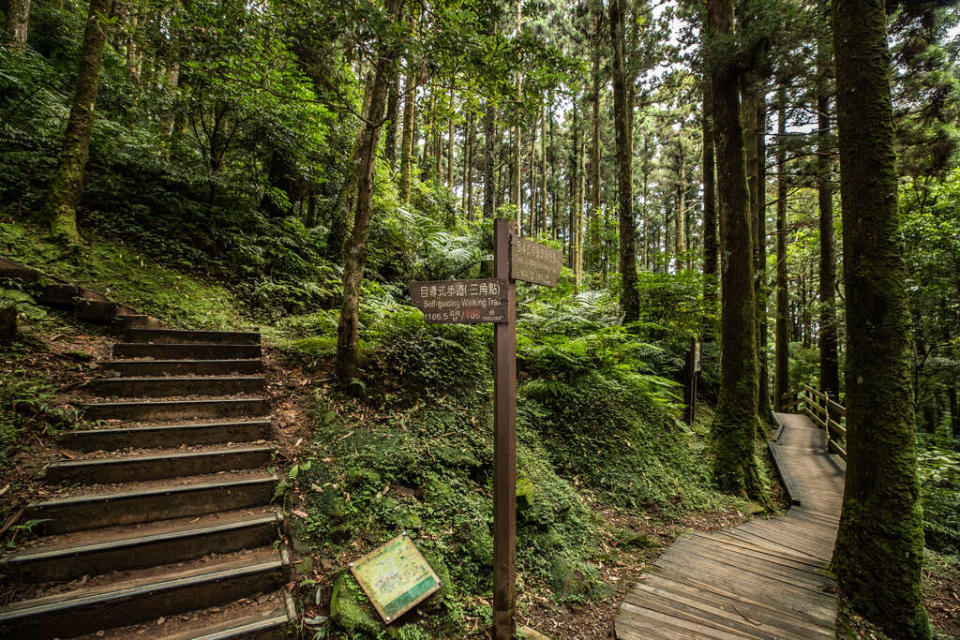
[{"x": 764, "y": 579}]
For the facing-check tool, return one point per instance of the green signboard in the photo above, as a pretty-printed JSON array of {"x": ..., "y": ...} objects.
[{"x": 395, "y": 577}]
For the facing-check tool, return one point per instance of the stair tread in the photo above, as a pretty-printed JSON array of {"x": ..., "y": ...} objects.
[
  {"x": 164, "y": 577},
  {"x": 79, "y": 541},
  {"x": 186, "y": 400},
  {"x": 68, "y": 495},
  {"x": 165, "y": 379},
  {"x": 173, "y": 424},
  {"x": 206, "y": 624},
  {"x": 139, "y": 454}
]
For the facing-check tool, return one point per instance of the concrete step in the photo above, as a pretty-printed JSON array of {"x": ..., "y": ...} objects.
[
  {"x": 159, "y": 387},
  {"x": 274, "y": 626},
  {"x": 159, "y": 545},
  {"x": 180, "y": 336},
  {"x": 168, "y": 435},
  {"x": 132, "y": 368},
  {"x": 159, "y": 501},
  {"x": 126, "y": 321},
  {"x": 122, "y": 603},
  {"x": 67, "y": 296},
  {"x": 156, "y": 466},
  {"x": 18, "y": 272},
  {"x": 177, "y": 409},
  {"x": 198, "y": 351}
]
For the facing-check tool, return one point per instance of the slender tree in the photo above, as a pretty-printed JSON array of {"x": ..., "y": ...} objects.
[
  {"x": 879, "y": 554},
  {"x": 734, "y": 427},
  {"x": 829, "y": 359},
  {"x": 406, "y": 140},
  {"x": 67, "y": 183},
  {"x": 355, "y": 250},
  {"x": 623, "y": 117},
  {"x": 782, "y": 346}
]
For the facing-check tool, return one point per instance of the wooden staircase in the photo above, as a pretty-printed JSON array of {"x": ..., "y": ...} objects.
[{"x": 162, "y": 524}]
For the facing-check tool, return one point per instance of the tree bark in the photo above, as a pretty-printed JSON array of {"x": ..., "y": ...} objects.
[
  {"x": 450, "y": 137},
  {"x": 829, "y": 358},
  {"x": 18, "y": 23},
  {"x": 734, "y": 427},
  {"x": 623, "y": 115},
  {"x": 406, "y": 141},
  {"x": 489, "y": 179},
  {"x": 67, "y": 183},
  {"x": 781, "y": 391},
  {"x": 680, "y": 219},
  {"x": 393, "y": 111},
  {"x": 879, "y": 554},
  {"x": 467, "y": 202},
  {"x": 356, "y": 248},
  {"x": 595, "y": 233}
]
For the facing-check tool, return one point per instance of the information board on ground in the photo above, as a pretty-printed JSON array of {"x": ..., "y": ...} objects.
[
  {"x": 461, "y": 301},
  {"x": 533, "y": 262},
  {"x": 395, "y": 577}
]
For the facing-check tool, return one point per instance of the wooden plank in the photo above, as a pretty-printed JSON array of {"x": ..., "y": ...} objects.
[
  {"x": 700, "y": 612},
  {"x": 734, "y": 605},
  {"x": 737, "y": 564},
  {"x": 700, "y": 628}
]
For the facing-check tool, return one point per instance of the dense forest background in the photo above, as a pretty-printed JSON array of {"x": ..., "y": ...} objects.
[{"x": 297, "y": 163}]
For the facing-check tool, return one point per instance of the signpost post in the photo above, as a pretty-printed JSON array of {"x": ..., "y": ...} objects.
[{"x": 494, "y": 300}]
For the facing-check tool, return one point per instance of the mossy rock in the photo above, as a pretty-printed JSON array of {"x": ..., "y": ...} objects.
[
  {"x": 456, "y": 457},
  {"x": 570, "y": 579},
  {"x": 435, "y": 560},
  {"x": 526, "y": 493},
  {"x": 363, "y": 477},
  {"x": 350, "y": 609},
  {"x": 629, "y": 539}
]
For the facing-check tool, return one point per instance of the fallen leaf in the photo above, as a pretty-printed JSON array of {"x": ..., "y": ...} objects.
[{"x": 302, "y": 514}]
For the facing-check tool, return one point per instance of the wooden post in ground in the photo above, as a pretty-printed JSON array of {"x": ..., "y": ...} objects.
[{"x": 504, "y": 444}]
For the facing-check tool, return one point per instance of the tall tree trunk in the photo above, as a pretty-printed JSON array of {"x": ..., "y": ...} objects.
[
  {"x": 543, "y": 168},
  {"x": 680, "y": 219},
  {"x": 574, "y": 236},
  {"x": 954, "y": 412},
  {"x": 754, "y": 116},
  {"x": 450, "y": 137},
  {"x": 489, "y": 179},
  {"x": 356, "y": 248},
  {"x": 829, "y": 358},
  {"x": 734, "y": 428},
  {"x": 393, "y": 112},
  {"x": 67, "y": 183},
  {"x": 467, "y": 203},
  {"x": 879, "y": 553},
  {"x": 18, "y": 23},
  {"x": 622, "y": 115},
  {"x": 595, "y": 234},
  {"x": 781, "y": 391},
  {"x": 406, "y": 141}
]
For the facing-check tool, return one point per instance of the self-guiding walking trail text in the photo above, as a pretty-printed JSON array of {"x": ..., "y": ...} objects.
[{"x": 494, "y": 300}]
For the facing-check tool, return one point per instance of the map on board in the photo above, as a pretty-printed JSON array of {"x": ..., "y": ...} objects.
[{"x": 395, "y": 577}]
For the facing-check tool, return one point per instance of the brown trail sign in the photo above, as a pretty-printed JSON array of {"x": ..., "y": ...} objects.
[
  {"x": 461, "y": 301},
  {"x": 472, "y": 301}
]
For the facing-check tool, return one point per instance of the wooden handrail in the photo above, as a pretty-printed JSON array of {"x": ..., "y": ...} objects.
[{"x": 824, "y": 412}]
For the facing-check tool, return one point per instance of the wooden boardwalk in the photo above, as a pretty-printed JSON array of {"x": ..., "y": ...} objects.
[{"x": 763, "y": 579}]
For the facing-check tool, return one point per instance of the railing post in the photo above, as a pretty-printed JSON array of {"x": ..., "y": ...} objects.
[{"x": 826, "y": 417}]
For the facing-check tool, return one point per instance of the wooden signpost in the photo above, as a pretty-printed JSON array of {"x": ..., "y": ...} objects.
[{"x": 514, "y": 258}]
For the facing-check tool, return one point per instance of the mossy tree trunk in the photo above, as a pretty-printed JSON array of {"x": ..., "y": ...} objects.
[
  {"x": 355, "y": 249},
  {"x": 782, "y": 351},
  {"x": 829, "y": 358},
  {"x": 18, "y": 23},
  {"x": 406, "y": 140},
  {"x": 711, "y": 247},
  {"x": 489, "y": 170},
  {"x": 623, "y": 119},
  {"x": 734, "y": 427},
  {"x": 879, "y": 553},
  {"x": 67, "y": 185},
  {"x": 393, "y": 111}
]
